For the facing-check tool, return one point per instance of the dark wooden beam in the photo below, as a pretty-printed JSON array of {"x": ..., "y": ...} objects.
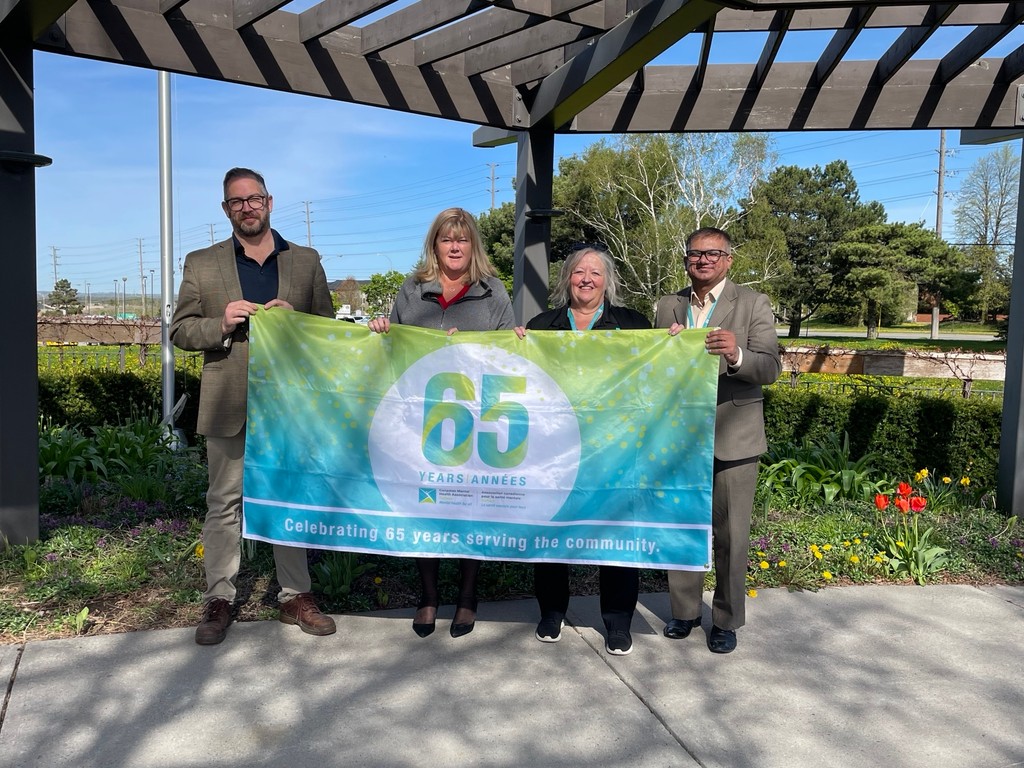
[
  {"x": 771, "y": 47},
  {"x": 910, "y": 41},
  {"x": 619, "y": 53},
  {"x": 911, "y": 100},
  {"x": 549, "y": 36},
  {"x": 416, "y": 19},
  {"x": 28, "y": 19},
  {"x": 166, "y": 6},
  {"x": 974, "y": 46},
  {"x": 705, "y": 53},
  {"x": 473, "y": 32},
  {"x": 329, "y": 15},
  {"x": 1012, "y": 66},
  {"x": 147, "y": 39},
  {"x": 811, "y": 19},
  {"x": 840, "y": 44},
  {"x": 248, "y": 12}
]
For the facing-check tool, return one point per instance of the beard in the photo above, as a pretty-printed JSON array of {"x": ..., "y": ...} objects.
[{"x": 252, "y": 227}]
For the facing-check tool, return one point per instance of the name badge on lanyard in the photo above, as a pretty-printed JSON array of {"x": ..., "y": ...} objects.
[{"x": 707, "y": 319}]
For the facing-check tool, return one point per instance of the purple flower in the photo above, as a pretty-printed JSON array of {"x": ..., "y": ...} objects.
[{"x": 51, "y": 557}]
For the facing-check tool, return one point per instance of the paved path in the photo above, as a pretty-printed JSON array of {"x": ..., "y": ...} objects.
[{"x": 899, "y": 676}]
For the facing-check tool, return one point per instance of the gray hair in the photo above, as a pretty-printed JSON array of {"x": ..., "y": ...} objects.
[{"x": 560, "y": 295}]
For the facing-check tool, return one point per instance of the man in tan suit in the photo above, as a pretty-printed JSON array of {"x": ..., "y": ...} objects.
[
  {"x": 745, "y": 338},
  {"x": 221, "y": 287}
]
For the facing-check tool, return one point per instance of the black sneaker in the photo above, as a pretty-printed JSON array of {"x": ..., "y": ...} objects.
[
  {"x": 619, "y": 642},
  {"x": 549, "y": 630}
]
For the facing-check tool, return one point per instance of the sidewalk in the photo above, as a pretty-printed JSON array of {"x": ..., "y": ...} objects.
[{"x": 861, "y": 676}]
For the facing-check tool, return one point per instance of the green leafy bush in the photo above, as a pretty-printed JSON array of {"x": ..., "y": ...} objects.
[{"x": 814, "y": 470}]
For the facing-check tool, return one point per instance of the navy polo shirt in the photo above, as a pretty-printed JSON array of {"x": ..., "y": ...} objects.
[{"x": 258, "y": 281}]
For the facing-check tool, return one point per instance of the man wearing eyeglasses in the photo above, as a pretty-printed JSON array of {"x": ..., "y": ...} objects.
[
  {"x": 221, "y": 287},
  {"x": 744, "y": 337}
]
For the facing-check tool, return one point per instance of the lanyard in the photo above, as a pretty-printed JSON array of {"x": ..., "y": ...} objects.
[
  {"x": 689, "y": 313},
  {"x": 572, "y": 320}
]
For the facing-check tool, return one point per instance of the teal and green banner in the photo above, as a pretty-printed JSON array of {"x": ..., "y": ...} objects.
[{"x": 578, "y": 447}]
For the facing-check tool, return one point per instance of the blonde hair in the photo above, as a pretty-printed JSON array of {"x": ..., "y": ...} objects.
[
  {"x": 460, "y": 223},
  {"x": 560, "y": 294}
]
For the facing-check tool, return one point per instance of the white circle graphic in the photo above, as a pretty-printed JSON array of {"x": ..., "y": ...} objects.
[{"x": 533, "y": 478}]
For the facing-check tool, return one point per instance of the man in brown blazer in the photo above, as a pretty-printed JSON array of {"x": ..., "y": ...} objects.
[
  {"x": 745, "y": 338},
  {"x": 221, "y": 287}
]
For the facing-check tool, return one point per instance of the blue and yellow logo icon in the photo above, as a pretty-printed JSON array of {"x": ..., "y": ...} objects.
[{"x": 428, "y": 495}]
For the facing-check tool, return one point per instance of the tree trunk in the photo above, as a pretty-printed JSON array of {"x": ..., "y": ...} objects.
[
  {"x": 795, "y": 321},
  {"x": 871, "y": 319}
]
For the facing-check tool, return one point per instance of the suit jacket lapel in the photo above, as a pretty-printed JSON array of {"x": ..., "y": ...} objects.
[
  {"x": 284, "y": 274},
  {"x": 725, "y": 305},
  {"x": 229, "y": 270},
  {"x": 682, "y": 304}
]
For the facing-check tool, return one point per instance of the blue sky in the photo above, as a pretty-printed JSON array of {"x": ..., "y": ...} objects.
[{"x": 373, "y": 179}]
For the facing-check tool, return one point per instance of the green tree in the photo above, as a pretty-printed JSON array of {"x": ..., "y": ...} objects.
[
  {"x": 812, "y": 209},
  {"x": 65, "y": 298},
  {"x": 497, "y": 230},
  {"x": 643, "y": 194},
  {"x": 887, "y": 267},
  {"x": 985, "y": 217},
  {"x": 381, "y": 292}
]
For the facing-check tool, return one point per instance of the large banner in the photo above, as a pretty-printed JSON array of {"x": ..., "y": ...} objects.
[{"x": 591, "y": 447}]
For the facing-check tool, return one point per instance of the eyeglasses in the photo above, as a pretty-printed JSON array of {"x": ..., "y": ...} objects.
[
  {"x": 256, "y": 202},
  {"x": 713, "y": 257}
]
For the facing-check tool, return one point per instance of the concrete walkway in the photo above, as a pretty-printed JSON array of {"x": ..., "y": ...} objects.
[{"x": 859, "y": 676}]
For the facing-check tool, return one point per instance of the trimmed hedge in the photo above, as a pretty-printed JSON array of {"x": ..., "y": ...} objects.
[
  {"x": 948, "y": 436},
  {"x": 93, "y": 397}
]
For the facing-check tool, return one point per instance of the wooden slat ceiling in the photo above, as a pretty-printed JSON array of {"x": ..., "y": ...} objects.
[{"x": 583, "y": 65}]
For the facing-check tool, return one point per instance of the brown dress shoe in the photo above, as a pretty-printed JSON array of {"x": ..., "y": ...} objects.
[
  {"x": 302, "y": 610},
  {"x": 214, "y": 626}
]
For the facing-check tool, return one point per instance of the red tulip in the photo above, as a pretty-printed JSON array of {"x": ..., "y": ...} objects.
[
  {"x": 917, "y": 503},
  {"x": 902, "y": 504},
  {"x": 905, "y": 489},
  {"x": 881, "y": 501}
]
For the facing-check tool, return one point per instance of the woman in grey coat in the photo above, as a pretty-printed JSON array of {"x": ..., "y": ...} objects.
[{"x": 455, "y": 288}]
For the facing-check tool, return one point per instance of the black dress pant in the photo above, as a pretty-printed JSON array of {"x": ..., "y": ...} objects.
[{"x": 620, "y": 588}]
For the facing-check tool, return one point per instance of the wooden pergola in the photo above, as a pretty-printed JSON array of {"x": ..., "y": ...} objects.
[{"x": 523, "y": 70}]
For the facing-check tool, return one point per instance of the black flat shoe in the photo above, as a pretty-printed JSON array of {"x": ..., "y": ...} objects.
[
  {"x": 722, "y": 640},
  {"x": 679, "y": 629}
]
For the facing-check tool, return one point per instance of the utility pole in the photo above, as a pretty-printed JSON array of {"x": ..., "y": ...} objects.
[
  {"x": 88, "y": 300},
  {"x": 124, "y": 296},
  {"x": 142, "y": 279},
  {"x": 53, "y": 251},
  {"x": 152, "y": 282},
  {"x": 493, "y": 180},
  {"x": 115, "y": 297},
  {"x": 309, "y": 232},
  {"x": 942, "y": 182}
]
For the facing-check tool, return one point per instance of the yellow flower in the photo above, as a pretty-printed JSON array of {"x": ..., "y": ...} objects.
[
  {"x": 854, "y": 559},
  {"x": 921, "y": 475},
  {"x": 813, "y": 547},
  {"x": 199, "y": 551},
  {"x": 900, "y": 544},
  {"x": 965, "y": 481},
  {"x": 846, "y": 543},
  {"x": 856, "y": 541},
  {"x": 826, "y": 575},
  {"x": 751, "y": 593},
  {"x": 378, "y": 580},
  {"x": 760, "y": 553},
  {"x": 764, "y": 564},
  {"x": 782, "y": 563},
  {"x": 818, "y": 554},
  {"x": 866, "y": 534},
  {"x": 827, "y": 547},
  {"x": 877, "y": 558},
  {"x": 947, "y": 480}
]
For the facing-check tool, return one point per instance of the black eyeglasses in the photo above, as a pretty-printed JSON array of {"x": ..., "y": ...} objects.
[
  {"x": 713, "y": 256},
  {"x": 256, "y": 202}
]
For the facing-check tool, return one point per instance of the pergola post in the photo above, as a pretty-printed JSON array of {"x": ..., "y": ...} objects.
[
  {"x": 1010, "y": 488},
  {"x": 19, "y": 388},
  {"x": 534, "y": 174}
]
